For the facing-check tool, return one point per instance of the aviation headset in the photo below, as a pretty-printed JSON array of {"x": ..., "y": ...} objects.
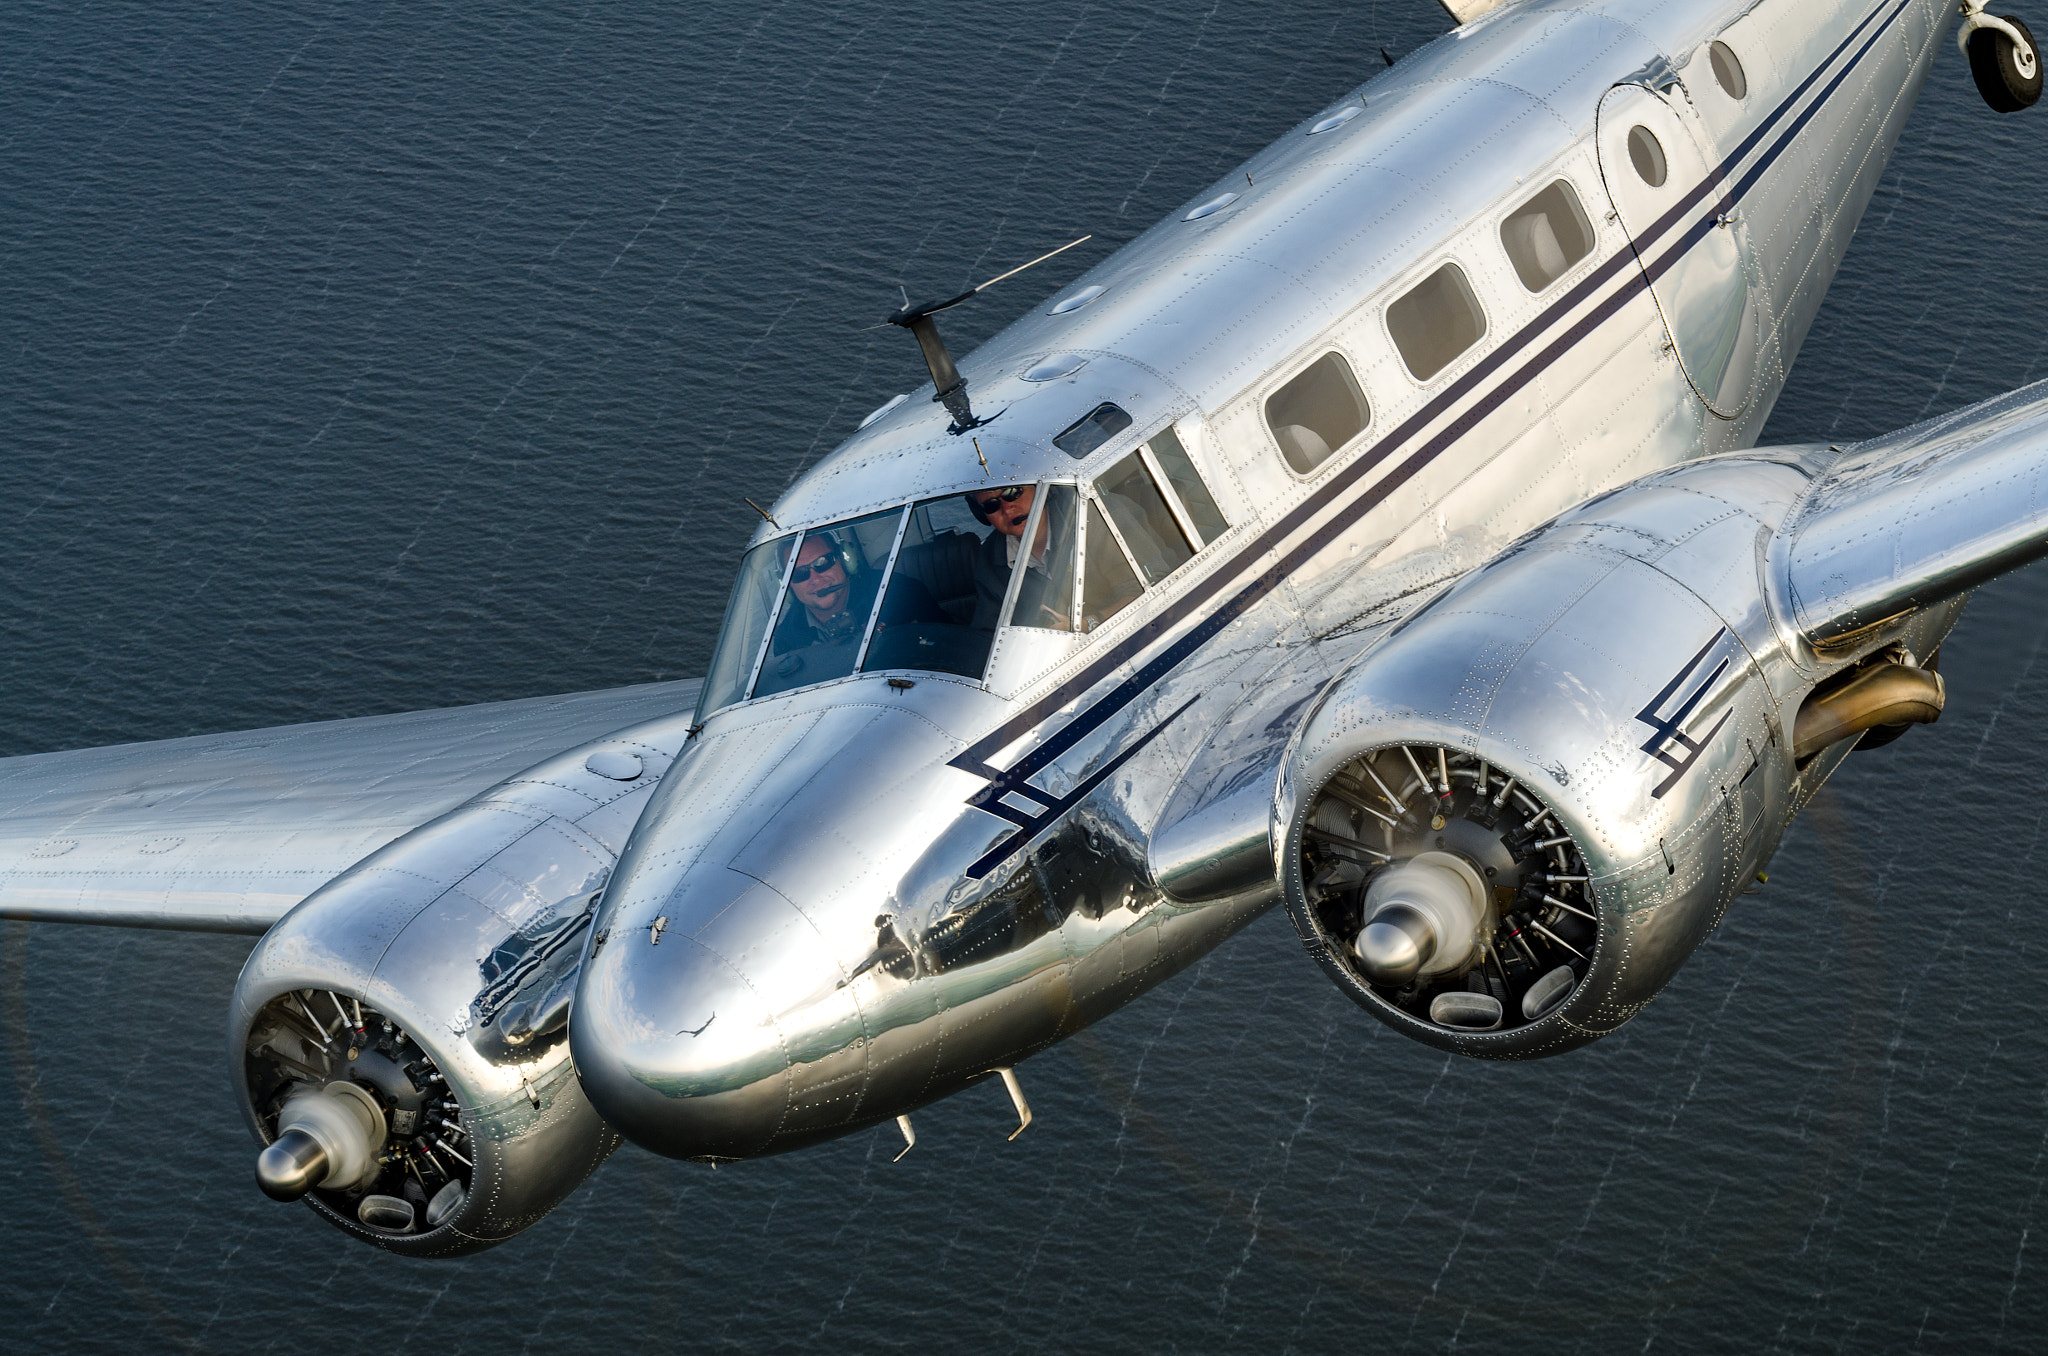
[
  {"x": 849, "y": 559},
  {"x": 1008, "y": 494}
]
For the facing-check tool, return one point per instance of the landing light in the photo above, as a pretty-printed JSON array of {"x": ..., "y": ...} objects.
[{"x": 1336, "y": 120}]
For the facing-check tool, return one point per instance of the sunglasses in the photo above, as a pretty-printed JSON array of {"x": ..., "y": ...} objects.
[
  {"x": 1000, "y": 498},
  {"x": 819, "y": 567}
]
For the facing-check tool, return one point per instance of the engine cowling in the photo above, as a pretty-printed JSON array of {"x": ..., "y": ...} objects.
[
  {"x": 1504, "y": 827},
  {"x": 400, "y": 1038}
]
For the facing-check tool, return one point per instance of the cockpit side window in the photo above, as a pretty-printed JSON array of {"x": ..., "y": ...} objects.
[
  {"x": 828, "y": 599},
  {"x": 1546, "y": 235},
  {"x": 746, "y": 623},
  {"x": 946, "y": 588},
  {"x": 1045, "y": 582},
  {"x": 1109, "y": 583},
  {"x": 1143, "y": 519},
  {"x": 1187, "y": 485}
]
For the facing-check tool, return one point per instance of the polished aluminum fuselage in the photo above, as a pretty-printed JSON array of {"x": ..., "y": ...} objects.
[{"x": 812, "y": 930}]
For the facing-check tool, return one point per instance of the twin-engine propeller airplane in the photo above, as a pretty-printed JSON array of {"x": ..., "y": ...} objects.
[{"x": 1381, "y": 534}]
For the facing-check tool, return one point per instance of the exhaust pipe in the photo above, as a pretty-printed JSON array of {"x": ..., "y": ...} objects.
[{"x": 1888, "y": 693}]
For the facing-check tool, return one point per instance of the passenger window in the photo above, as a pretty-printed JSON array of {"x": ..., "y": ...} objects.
[
  {"x": 1092, "y": 430},
  {"x": 1546, "y": 236},
  {"x": 1436, "y": 321},
  {"x": 1646, "y": 153},
  {"x": 1111, "y": 584},
  {"x": 1045, "y": 588},
  {"x": 1728, "y": 70},
  {"x": 1316, "y": 413},
  {"x": 1187, "y": 485},
  {"x": 1141, "y": 515},
  {"x": 947, "y": 587},
  {"x": 828, "y": 600}
]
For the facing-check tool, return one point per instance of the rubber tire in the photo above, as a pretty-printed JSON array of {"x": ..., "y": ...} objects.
[{"x": 1997, "y": 73}]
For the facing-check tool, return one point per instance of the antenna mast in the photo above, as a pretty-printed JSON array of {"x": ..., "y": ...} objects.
[{"x": 949, "y": 387}]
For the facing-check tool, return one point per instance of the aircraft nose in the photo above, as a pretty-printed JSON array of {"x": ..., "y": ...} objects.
[{"x": 674, "y": 1046}]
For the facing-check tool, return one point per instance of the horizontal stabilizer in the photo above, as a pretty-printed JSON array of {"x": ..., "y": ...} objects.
[
  {"x": 225, "y": 833},
  {"x": 1916, "y": 517}
]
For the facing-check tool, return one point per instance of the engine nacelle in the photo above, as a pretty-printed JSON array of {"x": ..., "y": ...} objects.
[
  {"x": 400, "y": 1038},
  {"x": 1507, "y": 824}
]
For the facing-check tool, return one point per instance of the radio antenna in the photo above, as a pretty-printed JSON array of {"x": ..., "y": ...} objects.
[
  {"x": 764, "y": 513},
  {"x": 948, "y": 386}
]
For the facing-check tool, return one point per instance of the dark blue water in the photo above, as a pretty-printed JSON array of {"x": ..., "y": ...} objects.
[{"x": 355, "y": 359}]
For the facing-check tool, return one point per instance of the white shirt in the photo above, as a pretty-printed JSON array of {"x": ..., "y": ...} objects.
[{"x": 1010, "y": 554}]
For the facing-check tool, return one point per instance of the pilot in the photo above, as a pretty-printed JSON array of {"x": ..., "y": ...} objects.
[
  {"x": 834, "y": 596},
  {"x": 822, "y": 583},
  {"x": 1007, "y": 510}
]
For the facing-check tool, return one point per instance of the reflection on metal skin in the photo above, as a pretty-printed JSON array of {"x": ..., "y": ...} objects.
[
  {"x": 1223, "y": 844},
  {"x": 1865, "y": 550},
  {"x": 1596, "y": 722},
  {"x": 388, "y": 991},
  {"x": 1422, "y": 918},
  {"x": 829, "y": 962},
  {"x": 1702, "y": 292},
  {"x": 326, "y": 1138},
  {"x": 674, "y": 1046},
  {"x": 292, "y": 1165}
]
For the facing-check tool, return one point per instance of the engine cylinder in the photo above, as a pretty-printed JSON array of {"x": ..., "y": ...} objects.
[
  {"x": 428, "y": 986},
  {"x": 392, "y": 1122},
  {"x": 1445, "y": 896}
]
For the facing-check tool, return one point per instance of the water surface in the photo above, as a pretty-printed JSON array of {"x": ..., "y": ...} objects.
[{"x": 357, "y": 359}]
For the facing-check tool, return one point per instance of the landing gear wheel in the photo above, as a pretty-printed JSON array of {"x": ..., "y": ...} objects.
[{"x": 2008, "y": 76}]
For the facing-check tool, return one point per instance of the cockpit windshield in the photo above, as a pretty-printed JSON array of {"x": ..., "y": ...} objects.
[
  {"x": 828, "y": 597},
  {"x": 925, "y": 586},
  {"x": 819, "y": 600}
]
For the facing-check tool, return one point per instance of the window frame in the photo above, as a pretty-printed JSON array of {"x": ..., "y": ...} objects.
[
  {"x": 1143, "y": 452},
  {"x": 1086, "y": 497},
  {"x": 1145, "y": 586},
  {"x": 768, "y": 633},
  {"x": 1323, "y": 346},
  {"x": 1422, "y": 274},
  {"x": 867, "y": 636},
  {"x": 1593, "y": 241},
  {"x": 761, "y": 646},
  {"x": 1173, "y": 498},
  {"x": 1089, "y": 499},
  {"x": 1016, "y": 584}
]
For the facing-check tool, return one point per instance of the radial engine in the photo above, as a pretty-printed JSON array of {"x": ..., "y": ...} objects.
[
  {"x": 1509, "y": 821},
  {"x": 401, "y": 1037}
]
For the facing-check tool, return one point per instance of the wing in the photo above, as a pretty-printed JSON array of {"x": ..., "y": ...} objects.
[
  {"x": 224, "y": 833},
  {"x": 1919, "y": 516}
]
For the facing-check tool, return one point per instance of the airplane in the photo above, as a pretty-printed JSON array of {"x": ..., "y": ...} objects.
[{"x": 1382, "y": 536}]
